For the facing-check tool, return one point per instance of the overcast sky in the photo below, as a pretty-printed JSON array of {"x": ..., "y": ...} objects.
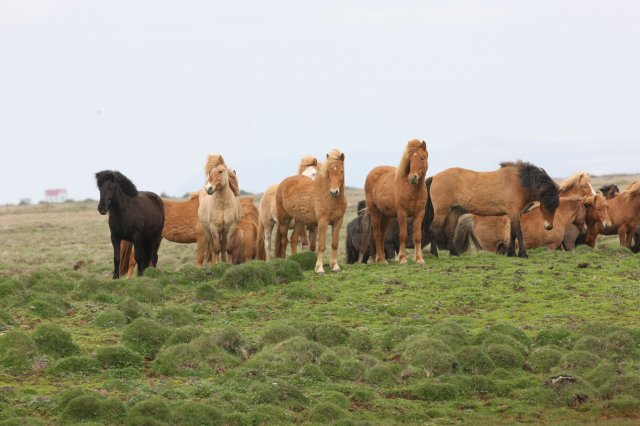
[{"x": 150, "y": 87}]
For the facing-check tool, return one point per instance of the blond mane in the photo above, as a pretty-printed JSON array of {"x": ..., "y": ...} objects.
[
  {"x": 233, "y": 182},
  {"x": 573, "y": 181},
  {"x": 213, "y": 161},
  {"x": 412, "y": 147},
  {"x": 633, "y": 189},
  {"x": 334, "y": 157},
  {"x": 308, "y": 161}
]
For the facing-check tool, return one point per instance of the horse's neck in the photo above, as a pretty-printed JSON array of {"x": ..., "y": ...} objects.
[{"x": 224, "y": 197}]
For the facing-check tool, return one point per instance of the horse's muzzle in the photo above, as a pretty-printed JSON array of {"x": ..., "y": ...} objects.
[
  {"x": 548, "y": 226},
  {"x": 210, "y": 190},
  {"x": 606, "y": 225},
  {"x": 335, "y": 193},
  {"x": 413, "y": 179},
  {"x": 102, "y": 210}
]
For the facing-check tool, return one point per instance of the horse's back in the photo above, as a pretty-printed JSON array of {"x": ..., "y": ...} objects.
[{"x": 295, "y": 199}]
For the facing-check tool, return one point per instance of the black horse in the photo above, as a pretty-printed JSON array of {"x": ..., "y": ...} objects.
[
  {"x": 610, "y": 191},
  {"x": 359, "y": 240},
  {"x": 136, "y": 216}
]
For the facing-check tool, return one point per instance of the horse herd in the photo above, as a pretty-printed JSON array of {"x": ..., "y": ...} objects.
[{"x": 515, "y": 204}]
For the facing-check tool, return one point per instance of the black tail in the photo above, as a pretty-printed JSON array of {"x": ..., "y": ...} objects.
[{"x": 428, "y": 214}]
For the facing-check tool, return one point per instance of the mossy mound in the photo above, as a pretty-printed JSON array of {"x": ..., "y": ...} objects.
[
  {"x": 298, "y": 291},
  {"x": 249, "y": 276},
  {"x": 505, "y": 356},
  {"x": 433, "y": 391},
  {"x": 79, "y": 365},
  {"x": 145, "y": 337},
  {"x": 474, "y": 360},
  {"x": 352, "y": 369},
  {"x": 91, "y": 286},
  {"x": 131, "y": 309},
  {"x": 6, "y": 320},
  {"x": 286, "y": 357},
  {"x": 494, "y": 338},
  {"x": 555, "y": 336},
  {"x": 580, "y": 361},
  {"x": 396, "y": 335},
  {"x": 180, "y": 360},
  {"x": 230, "y": 339},
  {"x": 175, "y": 316},
  {"x": 329, "y": 363},
  {"x": 217, "y": 358},
  {"x": 451, "y": 333},
  {"x": 54, "y": 341},
  {"x": 327, "y": 413},
  {"x": 625, "y": 405},
  {"x": 590, "y": 343},
  {"x": 118, "y": 357},
  {"x": 278, "y": 332},
  {"x": 543, "y": 359},
  {"x": 196, "y": 414},
  {"x": 279, "y": 392},
  {"x": 153, "y": 408},
  {"x": 429, "y": 354},
  {"x": 17, "y": 340},
  {"x": 626, "y": 384},
  {"x": 183, "y": 335},
  {"x": 360, "y": 341},
  {"x": 620, "y": 343},
  {"x": 92, "y": 407},
  {"x": 381, "y": 375},
  {"x": 331, "y": 334},
  {"x": 603, "y": 373},
  {"x": 49, "y": 306},
  {"x": 207, "y": 292},
  {"x": 513, "y": 331},
  {"x": 111, "y": 319},
  {"x": 15, "y": 361},
  {"x": 306, "y": 260},
  {"x": 287, "y": 270},
  {"x": 146, "y": 290}
]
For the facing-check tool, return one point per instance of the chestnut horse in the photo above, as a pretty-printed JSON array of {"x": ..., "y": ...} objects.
[
  {"x": 624, "y": 212},
  {"x": 269, "y": 216},
  {"x": 492, "y": 233},
  {"x": 399, "y": 192},
  {"x": 219, "y": 210},
  {"x": 136, "y": 216},
  {"x": 243, "y": 240},
  {"x": 501, "y": 192},
  {"x": 320, "y": 204}
]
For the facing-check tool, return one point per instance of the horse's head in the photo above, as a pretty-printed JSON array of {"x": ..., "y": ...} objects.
[
  {"x": 334, "y": 171},
  {"x": 217, "y": 179},
  {"x": 580, "y": 218},
  {"x": 107, "y": 186},
  {"x": 416, "y": 161},
  {"x": 549, "y": 202},
  {"x": 610, "y": 191},
  {"x": 597, "y": 209}
]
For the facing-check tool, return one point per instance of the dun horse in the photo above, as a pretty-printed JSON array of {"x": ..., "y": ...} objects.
[
  {"x": 136, "y": 216},
  {"x": 219, "y": 210},
  {"x": 501, "y": 192},
  {"x": 269, "y": 216},
  {"x": 244, "y": 239},
  {"x": 399, "y": 192},
  {"x": 321, "y": 204}
]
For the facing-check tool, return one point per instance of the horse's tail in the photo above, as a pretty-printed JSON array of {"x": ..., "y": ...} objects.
[
  {"x": 352, "y": 256},
  {"x": 428, "y": 214},
  {"x": 261, "y": 252},
  {"x": 236, "y": 249},
  {"x": 277, "y": 249},
  {"x": 127, "y": 258},
  {"x": 464, "y": 233},
  {"x": 366, "y": 240}
]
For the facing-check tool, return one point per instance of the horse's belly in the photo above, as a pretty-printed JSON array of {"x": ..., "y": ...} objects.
[{"x": 301, "y": 209}]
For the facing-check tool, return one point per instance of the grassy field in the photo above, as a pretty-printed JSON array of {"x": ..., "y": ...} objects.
[{"x": 476, "y": 339}]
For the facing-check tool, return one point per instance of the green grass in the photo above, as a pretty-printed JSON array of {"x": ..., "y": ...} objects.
[{"x": 472, "y": 339}]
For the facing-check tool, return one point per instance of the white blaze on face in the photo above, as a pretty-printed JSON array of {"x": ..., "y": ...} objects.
[
  {"x": 593, "y": 192},
  {"x": 310, "y": 172}
]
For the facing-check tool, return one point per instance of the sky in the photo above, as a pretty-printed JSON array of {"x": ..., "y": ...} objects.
[{"x": 151, "y": 87}]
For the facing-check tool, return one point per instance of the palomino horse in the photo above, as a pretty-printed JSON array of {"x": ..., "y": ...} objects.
[
  {"x": 269, "y": 215},
  {"x": 136, "y": 216},
  {"x": 219, "y": 210},
  {"x": 491, "y": 233},
  {"x": 244, "y": 239},
  {"x": 321, "y": 204},
  {"x": 501, "y": 192},
  {"x": 624, "y": 211},
  {"x": 399, "y": 192}
]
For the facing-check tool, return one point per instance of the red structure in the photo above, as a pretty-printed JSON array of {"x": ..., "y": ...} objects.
[{"x": 55, "y": 195}]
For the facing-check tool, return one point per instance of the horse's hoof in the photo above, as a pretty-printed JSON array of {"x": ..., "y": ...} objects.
[
  {"x": 336, "y": 268},
  {"x": 523, "y": 255},
  {"x": 319, "y": 270},
  {"x": 403, "y": 261},
  {"x": 420, "y": 261}
]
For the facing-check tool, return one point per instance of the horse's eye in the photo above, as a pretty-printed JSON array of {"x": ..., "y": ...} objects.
[{"x": 220, "y": 171}]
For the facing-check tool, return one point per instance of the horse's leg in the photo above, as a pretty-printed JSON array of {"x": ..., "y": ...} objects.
[
  {"x": 516, "y": 230},
  {"x": 592, "y": 234},
  {"x": 335, "y": 239},
  {"x": 215, "y": 246},
  {"x": 268, "y": 232},
  {"x": 436, "y": 229},
  {"x": 154, "y": 251},
  {"x": 402, "y": 227},
  {"x": 223, "y": 245},
  {"x": 294, "y": 238},
  {"x": 283, "y": 229},
  {"x": 115, "y": 241},
  {"x": 417, "y": 235},
  {"x": 303, "y": 236},
  {"x": 313, "y": 234},
  {"x": 322, "y": 236},
  {"x": 142, "y": 255}
]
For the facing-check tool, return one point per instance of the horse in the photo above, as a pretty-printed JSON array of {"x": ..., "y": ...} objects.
[
  {"x": 136, "y": 216},
  {"x": 268, "y": 215},
  {"x": 219, "y": 210},
  {"x": 180, "y": 225},
  {"x": 501, "y": 192},
  {"x": 242, "y": 245},
  {"x": 624, "y": 212},
  {"x": 578, "y": 184},
  {"x": 321, "y": 204},
  {"x": 492, "y": 233},
  {"x": 610, "y": 191},
  {"x": 399, "y": 192}
]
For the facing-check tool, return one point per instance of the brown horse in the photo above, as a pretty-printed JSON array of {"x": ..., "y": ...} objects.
[
  {"x": 399, "y": 192},
  {"x": 269, "y": 215},
  {"x": 243, "y": 240},
  {"x": 577, "y": 185},
  {"x": 491, "y": 233},
  {"x": 502, "y": 192},
  {"x": 219, "y": 210},
  {"x": 624, "y": 212},
  {"x": 320, "y": 204}
]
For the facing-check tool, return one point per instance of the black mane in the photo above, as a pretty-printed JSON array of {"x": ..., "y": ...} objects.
[
  {"x": 610, "y": 190},
  {"x": 125, "y": 184},
  {"x": 538, "y": 182}
]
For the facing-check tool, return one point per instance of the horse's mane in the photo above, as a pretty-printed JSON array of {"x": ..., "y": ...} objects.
[
  {"x": 334, "y": 157},
  {"x": 538, "y": 182},
  {"x": 362, "y": 207},
  {"x": 633, "y": 189},
  {"x": 573, "y": 181},
  {"x": 125, "y": 184},
  {"x": 610, "y": 189},
  {"x": 412, "y": 147},
  {"x": 307, "y": 161},
  {"x": 213, "y": 161}
]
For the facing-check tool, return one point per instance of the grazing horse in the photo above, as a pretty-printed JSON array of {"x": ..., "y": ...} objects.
[
  {"x": 136, "y": 216},
  {"x": 577, "y": 185},
  {"x": 492, "y": 233},
  {"x": 501, "y": 192},
  {"x": 243, "y": 240},
  {"x": 219, "y": 210},
  {"x": 269, "y": 216},
  {"x": 399, "y": 192},
  {"x": 321, "y": 204},
  {"x": 624, "y": 212}
]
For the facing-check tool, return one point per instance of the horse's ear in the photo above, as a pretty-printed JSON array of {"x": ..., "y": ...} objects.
[
  {"x": 221, "y": 160},
  {"x": 424, "y": 145},
  {"x": 342, "y": 156},
  {"x": 315, "y": 162}
]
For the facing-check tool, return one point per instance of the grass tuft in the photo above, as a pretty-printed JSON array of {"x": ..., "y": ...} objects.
[
  {"x": 306, "y": 260},
  {"x": 175, "y": 316},
  {"x": 111, "y": 318},
  {"x": 145, "y": 337},
  {"x": 249, "y": 276},
  {"x": 118, "y": 357},
  {"x": 52, "y": 340}
]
